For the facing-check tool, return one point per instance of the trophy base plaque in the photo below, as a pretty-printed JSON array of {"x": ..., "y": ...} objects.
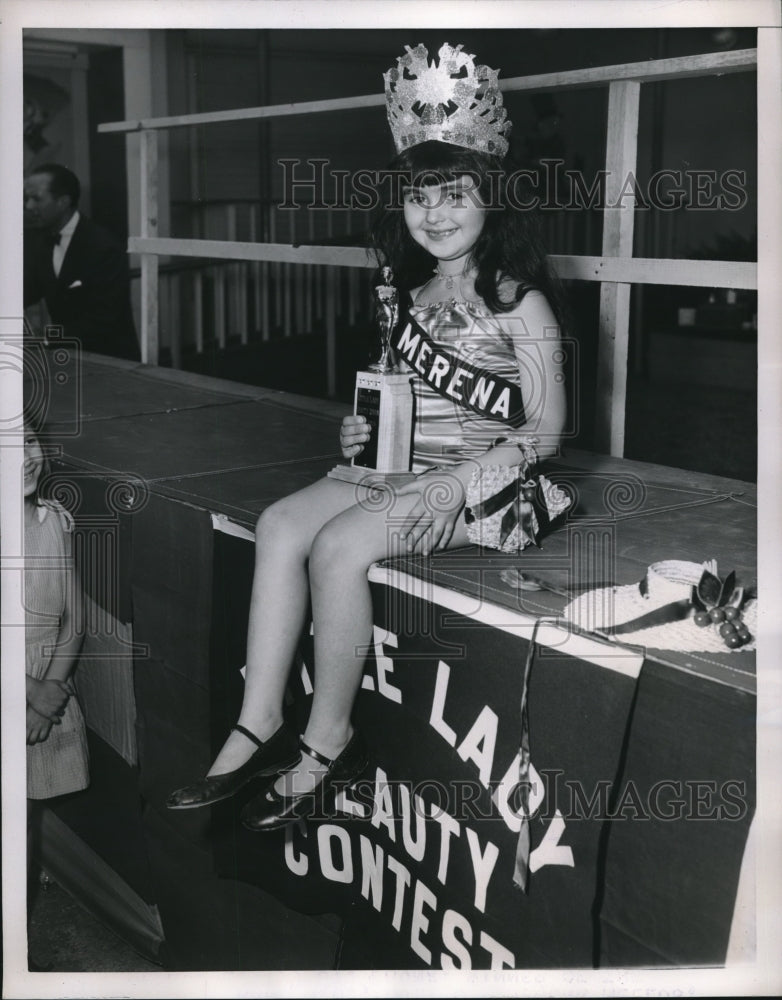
[{"x": 385, "y": 399}]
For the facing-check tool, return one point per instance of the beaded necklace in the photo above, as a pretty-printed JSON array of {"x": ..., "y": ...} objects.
[{"x": 451, "y": 279}]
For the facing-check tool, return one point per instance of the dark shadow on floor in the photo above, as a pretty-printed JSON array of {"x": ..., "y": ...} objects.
[{"x": 64, "y": 937}]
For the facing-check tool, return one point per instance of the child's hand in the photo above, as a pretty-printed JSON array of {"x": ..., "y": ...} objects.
[
  {"x": 38, "y": 728},
  {"x": 48, "y": 697},
  {"x": 430, "y": 523},
  {"x": 353, "y": 435}
]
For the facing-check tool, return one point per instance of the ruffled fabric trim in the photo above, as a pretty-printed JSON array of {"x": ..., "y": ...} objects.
[{"x": 505, "y": 506}]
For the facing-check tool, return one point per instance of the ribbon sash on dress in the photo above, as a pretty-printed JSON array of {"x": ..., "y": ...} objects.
[
  {"x": 524, "y": 500},
  {"x": 478, "y": 389},
  {"x": 523, "y": 841}
]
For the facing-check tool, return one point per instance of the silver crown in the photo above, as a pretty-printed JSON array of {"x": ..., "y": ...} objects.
[{"x": 455, "y": 101}]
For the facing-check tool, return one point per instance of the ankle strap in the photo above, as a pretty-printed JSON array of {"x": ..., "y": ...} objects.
[
  {"x": 319, "y": 757},
  {"x": 248, "y": 734}
]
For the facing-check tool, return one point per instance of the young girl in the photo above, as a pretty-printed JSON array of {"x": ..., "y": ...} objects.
[
  {"x": 481, "y": 291},
  {"x": 57, "y": 761}
]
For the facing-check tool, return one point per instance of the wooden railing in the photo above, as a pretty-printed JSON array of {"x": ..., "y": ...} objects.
[
  {"x": 615, "y": 268},
  {"x": 206, "y": 304}
]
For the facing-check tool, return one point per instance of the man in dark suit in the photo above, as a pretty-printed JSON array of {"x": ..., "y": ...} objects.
[{"x": 76, "y": 266}]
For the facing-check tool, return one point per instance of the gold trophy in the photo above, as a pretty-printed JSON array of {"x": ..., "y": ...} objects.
[{"x": 384, "y": 396}]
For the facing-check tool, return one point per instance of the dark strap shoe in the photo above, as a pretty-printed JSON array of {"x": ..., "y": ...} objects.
[
  {"x": 274, "y": 755},
  {"x": 270, "y": 810}
]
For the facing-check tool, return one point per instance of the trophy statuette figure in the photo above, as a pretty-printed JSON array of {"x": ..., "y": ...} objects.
[{"x": 384, "y": 397}]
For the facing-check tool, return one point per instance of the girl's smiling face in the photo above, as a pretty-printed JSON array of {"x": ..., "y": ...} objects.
[
  {"x": 445, "y": 219},
  {"x": 33, "y": 462}
]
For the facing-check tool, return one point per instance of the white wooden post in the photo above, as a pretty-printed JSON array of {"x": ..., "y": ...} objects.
[
  {"x": 149, "y": 262},
  {"x": 621, "y": 153},
  {"x": 288, "y": 284},
  {"x": 174, "y": 313},
  {"x": 276, "y": 269},
  {"x": 331, "y": 330},
  {"x": 256, "y": 269},
  {"x": 198, "y": 311},
  {"x": 265, "y": 277},
  {"x": 219, "y": 305},
  {"x": 310, "y": 272}
]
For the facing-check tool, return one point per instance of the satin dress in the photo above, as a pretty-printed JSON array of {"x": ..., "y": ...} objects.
[{"x": 447, "y": 433}]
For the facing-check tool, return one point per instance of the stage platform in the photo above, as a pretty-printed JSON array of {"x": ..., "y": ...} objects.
[{"x": 643, "y": 758}]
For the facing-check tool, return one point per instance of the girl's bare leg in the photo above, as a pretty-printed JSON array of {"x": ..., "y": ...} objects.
[
  {"x": 278, "y": 608},
  {"x": 342, "y": 611}
]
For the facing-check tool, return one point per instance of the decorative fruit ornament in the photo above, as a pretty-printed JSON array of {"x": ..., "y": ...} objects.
[{"x": 719, "y": 602}]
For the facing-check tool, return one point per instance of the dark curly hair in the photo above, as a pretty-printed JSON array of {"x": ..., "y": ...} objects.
[{"x": 510, "y": 247}]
